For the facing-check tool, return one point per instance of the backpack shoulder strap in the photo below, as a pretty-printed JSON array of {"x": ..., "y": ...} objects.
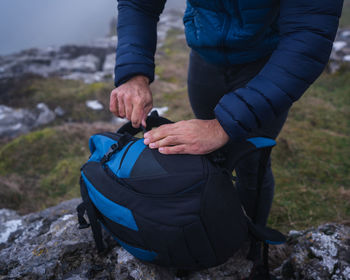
[{"x": 87, "y": 206}]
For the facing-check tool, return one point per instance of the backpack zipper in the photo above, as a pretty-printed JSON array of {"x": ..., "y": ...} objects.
[{"x": 124, "y": 155}]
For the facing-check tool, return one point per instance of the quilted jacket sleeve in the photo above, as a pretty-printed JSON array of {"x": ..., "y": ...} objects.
[
  {"x": 137, "y": 38},
  {"x": 307, "y": 30}
]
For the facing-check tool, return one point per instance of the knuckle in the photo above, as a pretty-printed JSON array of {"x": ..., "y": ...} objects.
[{"x": 173, "y": 139}]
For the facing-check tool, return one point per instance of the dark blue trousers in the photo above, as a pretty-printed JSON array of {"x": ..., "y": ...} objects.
[{"x": 207, "y": 83}]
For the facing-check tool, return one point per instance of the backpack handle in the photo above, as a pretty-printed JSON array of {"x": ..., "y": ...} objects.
[{"x": 153, "y": 120}]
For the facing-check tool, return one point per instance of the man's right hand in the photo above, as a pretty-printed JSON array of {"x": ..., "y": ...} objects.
[{"x": 132, "y": 100}]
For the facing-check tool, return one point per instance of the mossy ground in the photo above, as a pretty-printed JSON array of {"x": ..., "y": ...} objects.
[{"x": 311, "y": 161}]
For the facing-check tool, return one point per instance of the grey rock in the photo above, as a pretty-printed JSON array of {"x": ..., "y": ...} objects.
[
  {"x": 321, "y": 253},
  {"x": 109, "y": 63},
  {"x": 90, "y": 63},
  {"x": 59, "y": 111},
  {"x": 84, "y": 64},
  {"x": 87, "y": 78},
  {"x": 14, "y": 122},
  {"x": 45, "y": 115},
  {"x": 49, "y": 245},
  {"x": 94, "y": 105}
]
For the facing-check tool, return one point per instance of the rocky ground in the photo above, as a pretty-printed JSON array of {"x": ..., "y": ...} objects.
[
  {"x": 91, "y": 63},
  {"x": 49, "y": 245}
]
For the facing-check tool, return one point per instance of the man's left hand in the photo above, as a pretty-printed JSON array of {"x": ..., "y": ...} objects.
[{"x": 195, "y": 136}]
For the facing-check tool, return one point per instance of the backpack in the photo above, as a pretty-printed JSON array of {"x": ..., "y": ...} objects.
[{"x": 179, "y": 211}]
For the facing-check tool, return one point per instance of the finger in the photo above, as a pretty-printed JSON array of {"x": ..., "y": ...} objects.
[
  {"x": 128, "y": 108},
  {"x": 113, "y": 104},
  {"x": 160, "y": 132},
  {"x": 179, "y": 149},
  {"x": 121, "y": 106},
  {"x": 165, "y": 142},
  {"x": 136, "y": 115},
  {"x": 145, "y": 114}
]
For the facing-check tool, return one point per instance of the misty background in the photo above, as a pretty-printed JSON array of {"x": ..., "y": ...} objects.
[{"x": 40, "y": 23}]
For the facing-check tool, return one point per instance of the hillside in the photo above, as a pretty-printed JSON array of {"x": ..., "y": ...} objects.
[{"x": 311, "y": 161}]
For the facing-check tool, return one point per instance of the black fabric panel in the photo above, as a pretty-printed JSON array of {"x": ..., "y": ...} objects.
[
  {"x": 223, "y": 217},
  {"x": 179, "y": 163},
  {"x": 199, "y": 245},
  {"x": 146, "y": 165},
  {"x": 153, "y": 235},
  {"x": 165, "y": 185},
  {"x": 235, "y": 153},
  {"x": 178, "y": 250},
  {"x": 131, "y": 237},
  {"x": 183, "y": 208}
]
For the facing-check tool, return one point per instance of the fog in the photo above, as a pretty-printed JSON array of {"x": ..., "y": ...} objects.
[{"x": 40, "y": 23}]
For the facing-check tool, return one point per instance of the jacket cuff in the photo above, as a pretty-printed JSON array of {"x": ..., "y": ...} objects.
[
  {"x": 126, "y": 72},
  {"x": 231, "y": 126}
]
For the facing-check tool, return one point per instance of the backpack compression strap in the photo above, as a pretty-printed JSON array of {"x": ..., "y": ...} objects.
[
  {"x": 88, "y": 206},
  {"x": 153, "y": 120}
]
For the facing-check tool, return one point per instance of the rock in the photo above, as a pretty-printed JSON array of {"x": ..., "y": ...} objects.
[
  {"x": 109, "y": 63},
  {"x": 49, "y": 245},
  {"x": 45, "y": 115},
  {"x": 94, "y": 104},
  {"x": 83, "y": 64},
  {"x": 14, "y": 122},
  {"x": 346, "y": 58},
  {"x": 338, "y": 45},
  {"x": 59, "y": 111},
  {"x": 170, "y": 20},
  {"x": 322, "y": 253},
  {"x": 90, "y": 63},
  {"x": 9, "y": 222},
  {"x": 87, "y": 78}
]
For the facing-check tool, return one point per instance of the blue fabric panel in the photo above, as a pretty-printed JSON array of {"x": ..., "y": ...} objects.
[
  {"x": 114, "y": 162},
  {"x": 99, "y": 145},
  {"x": 130, "y": 159},
  {"x": 262, "y": 142},
  {"x": 139, "y": 253},
  {"x": 110, "y": 209}
]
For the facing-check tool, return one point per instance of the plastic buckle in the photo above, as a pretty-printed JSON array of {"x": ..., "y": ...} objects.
[{"x": 112, "y": 149}]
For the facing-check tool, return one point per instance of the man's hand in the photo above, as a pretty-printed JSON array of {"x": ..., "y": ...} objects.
[
  {"x": 132, "y": 100},
  {"x": 187, "y": 137}
]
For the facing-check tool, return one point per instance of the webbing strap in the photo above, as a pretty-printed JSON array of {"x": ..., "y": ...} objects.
[
  {"x": 81, "y": 211},
  {"x": 263, "y": 161},
  {"x": 92, "y": 214},
  {"x": 153, "y": 120}
]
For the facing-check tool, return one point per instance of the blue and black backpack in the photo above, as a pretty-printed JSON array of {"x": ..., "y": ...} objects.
[{"x": 180, "y": 211}]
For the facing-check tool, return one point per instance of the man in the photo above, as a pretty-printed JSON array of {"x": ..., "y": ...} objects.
[{"x": 250, "y": 60}]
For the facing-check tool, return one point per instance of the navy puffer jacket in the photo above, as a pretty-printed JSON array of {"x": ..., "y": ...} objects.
[{"x": 306, "y": 30}]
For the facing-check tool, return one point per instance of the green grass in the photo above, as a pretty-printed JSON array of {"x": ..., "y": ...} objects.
[
  {"x": 345, "y": 18},
  {"x": 69, "y": 95},
  {"x": 42, "y": 168},
  {"x": 311, "y": 161}
]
